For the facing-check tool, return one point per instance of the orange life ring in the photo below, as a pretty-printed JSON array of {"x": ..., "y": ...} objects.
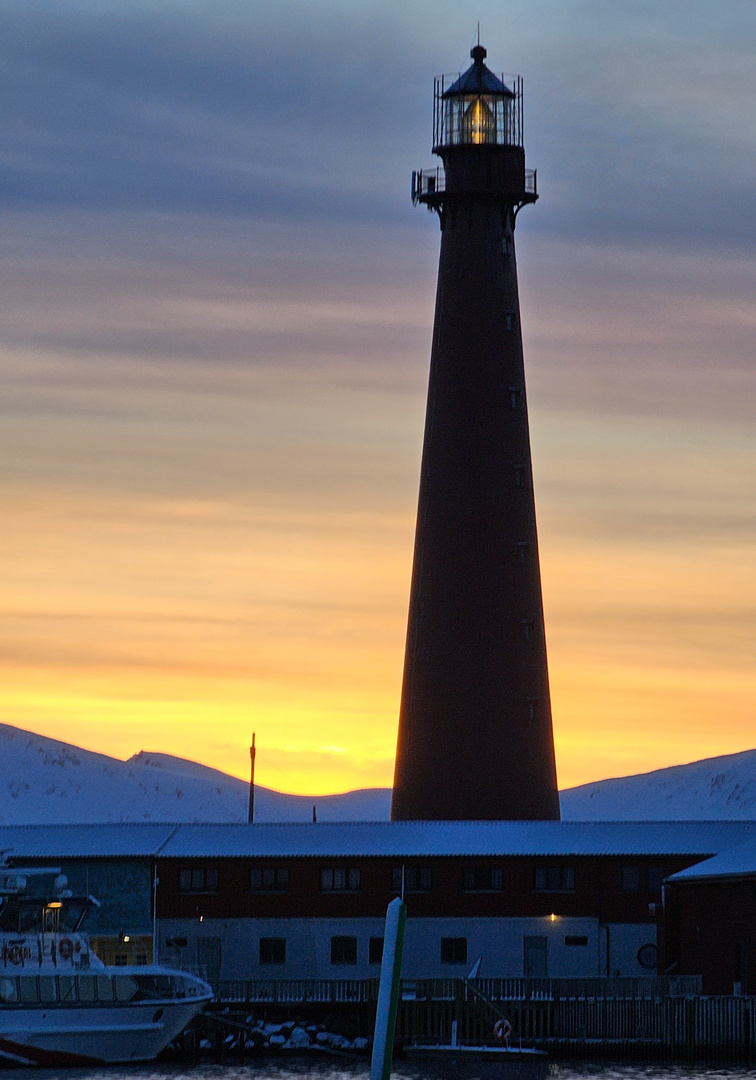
[
  {"x": 502, "y": 1030},
  {"x": 65, "y": 948}
]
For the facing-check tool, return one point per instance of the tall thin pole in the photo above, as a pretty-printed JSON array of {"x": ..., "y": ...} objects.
[
  {"x": 252, "y": 752},
  {"x": 388, "y": 991}
]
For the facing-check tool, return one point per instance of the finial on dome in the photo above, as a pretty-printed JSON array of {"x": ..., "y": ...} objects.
[{"x": 478, "y": 53}]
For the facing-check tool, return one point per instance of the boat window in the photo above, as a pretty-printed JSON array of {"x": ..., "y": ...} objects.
[
  {"x": 72, "y": 914},
  {"x": 8, "y": 989},
  {"x": 104, "y": 988},
  {"x": 48, "y": 990},
  {"x": 87, "y": 988},
  {"x": 67, "y": 986},
  {"x": 29, "y": 988},
  {"x": 30, "y": 918},
  {"x": 154, "y": 986},
  {"x": 125, "y": 988},
  {"x": 190, "y": 987},
  {"x": 9, "y": 917}
]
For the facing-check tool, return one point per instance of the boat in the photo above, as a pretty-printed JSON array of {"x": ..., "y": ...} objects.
[
  {"x": 504, "y": 1051},
  {"x": 488, "y": 1053},
  {"x": 59, "y": 1004}
]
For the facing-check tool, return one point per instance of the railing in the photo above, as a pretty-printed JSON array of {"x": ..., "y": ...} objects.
[
  {"x": 364, "y": 991},
  {"x": 297, "y": 991},
  {"x": 505, "y": 126},
  {"x": 428, "y": 183}
]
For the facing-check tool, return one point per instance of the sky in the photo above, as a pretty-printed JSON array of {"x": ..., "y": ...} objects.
[{"x": 216, "y": 303}]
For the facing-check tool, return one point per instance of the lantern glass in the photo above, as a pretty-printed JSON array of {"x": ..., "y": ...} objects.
[
  {"x": 478, "y": 122},
  {"x": 475, "y": 119}
]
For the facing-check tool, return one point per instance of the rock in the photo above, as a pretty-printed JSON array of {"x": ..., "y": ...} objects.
[
  {"x": 298, "y": 1038},
  {"x": 277, "y": 1040}
]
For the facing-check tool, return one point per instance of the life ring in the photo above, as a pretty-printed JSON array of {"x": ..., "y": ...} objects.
[
  {"x": 65, "y": 948},
  {"x": 502, "y": 1030},
  {"x": 16, "y": 954}
]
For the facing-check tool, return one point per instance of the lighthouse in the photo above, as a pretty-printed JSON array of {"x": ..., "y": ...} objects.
[{"x": 475, "y": 734}]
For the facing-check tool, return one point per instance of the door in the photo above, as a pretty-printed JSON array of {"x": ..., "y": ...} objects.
[
  {"x": 209, "y": 957},
  {"x": 534, "y": 957}
]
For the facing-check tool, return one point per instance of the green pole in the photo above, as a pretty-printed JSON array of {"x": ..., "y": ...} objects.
[{"x": 388, "y": 991}]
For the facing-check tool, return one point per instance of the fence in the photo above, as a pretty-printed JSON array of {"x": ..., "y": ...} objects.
[{"x": 590, "y": 1017}]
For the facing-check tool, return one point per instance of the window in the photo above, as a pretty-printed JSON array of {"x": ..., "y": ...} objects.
[
  {"x": 630, "y": 878},
  {"x": 554, "y": 879},
  {"x": 655, "y": 878},
  {"x": 343, "y": 950},
  {"x": 532, "y": 708},
  {"x": 141, "y": 959},
  {"x": 198, "y": 879},
  {"x": 125, "y": 988},
  {"x": 416, "y": 879},
  {"x": 509, "y": 321},
  {"x": 87, "y": 988},
  {"x": 482, "y": 878},
  {"x": 269, "y": 879},
  {"x": 528, "y": 630},
  {"x": 575, "y": 939},
  {"x": 376, "y": 950},
  {"x": 120, "y": 960},
  {"x": 514, "y": 397},
  {"x": 524, "y": 549},
  {"x": 340, "y": 879},
  {"x": 272, "y": 950},
  {"x": 505, "y": 245},
  {"x": 519, "y": 475},
  {"x": 453, "y": 950},
  {"x": 29, "y": 989}
]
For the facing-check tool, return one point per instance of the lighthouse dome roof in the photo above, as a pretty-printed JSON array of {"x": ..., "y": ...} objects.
[{"x": 478, "y": 79}]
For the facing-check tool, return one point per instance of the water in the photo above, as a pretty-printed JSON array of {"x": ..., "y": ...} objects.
[{"x": 304, "y": 1069}]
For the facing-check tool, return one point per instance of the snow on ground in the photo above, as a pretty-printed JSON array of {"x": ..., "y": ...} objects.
[{"x": 44, "y": 780}]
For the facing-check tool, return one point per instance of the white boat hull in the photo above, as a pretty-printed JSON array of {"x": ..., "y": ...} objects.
[{"x": 104, "y": 1034}]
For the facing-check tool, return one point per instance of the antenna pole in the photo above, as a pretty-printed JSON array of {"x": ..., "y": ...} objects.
[{"x": 252, "y": 752}]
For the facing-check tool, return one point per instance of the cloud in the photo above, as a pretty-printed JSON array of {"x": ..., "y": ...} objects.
[{"x": 217, "y": 305}]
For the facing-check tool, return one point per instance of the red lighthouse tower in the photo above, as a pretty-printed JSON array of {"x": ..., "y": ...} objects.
[{"x": 475, "y": 736}]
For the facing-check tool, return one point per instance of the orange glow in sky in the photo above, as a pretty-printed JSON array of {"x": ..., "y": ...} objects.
[{"x": 217, "y": 308}]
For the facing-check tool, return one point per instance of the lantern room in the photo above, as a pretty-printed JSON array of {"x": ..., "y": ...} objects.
[{"x": 476, "y": 108}]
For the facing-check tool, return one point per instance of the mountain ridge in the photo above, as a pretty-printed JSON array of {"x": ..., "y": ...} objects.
[{"x": 44, "y": 779}]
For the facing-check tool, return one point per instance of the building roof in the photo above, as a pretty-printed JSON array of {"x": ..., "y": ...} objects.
[
  {"x": 736, "y": 862},
  {"x": 457, "y": 838},
  {"x": 405, "y": 839},
  {"x": 116, "y": 840}
]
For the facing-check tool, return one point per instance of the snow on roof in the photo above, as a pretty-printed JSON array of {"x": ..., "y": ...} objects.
[
  {"x": 739, "y": 861},
  {"x": 377, "y": 838},
  {"x": 457, "y": 838},
  {"x": 116, "y": 840}
]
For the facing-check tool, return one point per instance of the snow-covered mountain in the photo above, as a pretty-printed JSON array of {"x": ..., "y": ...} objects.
[
  {"x": 44, "y": 780},
  {"x": 715, "y": 789}
]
